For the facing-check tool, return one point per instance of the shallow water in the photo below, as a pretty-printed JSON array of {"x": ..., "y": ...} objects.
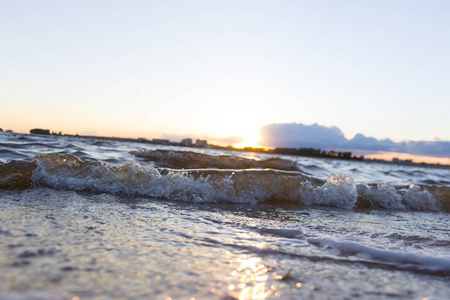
[{"x": 108, "y": 230}]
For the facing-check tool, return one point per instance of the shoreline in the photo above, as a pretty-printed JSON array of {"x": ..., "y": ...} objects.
[{"x": 321, "y": 154}]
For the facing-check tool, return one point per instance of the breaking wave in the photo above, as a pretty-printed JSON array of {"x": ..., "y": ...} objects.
[
  {"x": 215, "y": 185},
  {"x": 195, "y": 160}
]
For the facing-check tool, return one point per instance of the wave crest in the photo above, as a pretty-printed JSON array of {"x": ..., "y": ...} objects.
[
  {"x": 390, "y": 197},
  {"x": 215, "y": 185},
  {"x": 194, "y": 160}
]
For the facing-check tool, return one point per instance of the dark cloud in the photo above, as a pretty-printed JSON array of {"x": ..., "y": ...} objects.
[
  {"x": 362, "y": 142},
  {"x": 297, "y": 135},
  {"x": 432, "y": 148}
]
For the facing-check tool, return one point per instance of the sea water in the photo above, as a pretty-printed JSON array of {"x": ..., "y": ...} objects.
[{"x": 104, "y": 219}]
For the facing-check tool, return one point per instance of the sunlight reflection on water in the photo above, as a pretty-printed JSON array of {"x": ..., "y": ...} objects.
[{"x": 252, "y": 275}]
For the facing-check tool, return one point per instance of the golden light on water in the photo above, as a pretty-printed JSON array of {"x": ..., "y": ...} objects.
[{"x": 252, "y": 275}]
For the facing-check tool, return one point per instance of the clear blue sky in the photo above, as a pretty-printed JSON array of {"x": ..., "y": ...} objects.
[{"x": 226, "y": 68}]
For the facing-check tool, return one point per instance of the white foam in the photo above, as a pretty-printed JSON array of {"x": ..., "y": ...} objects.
[
  {"x": 387, "y": 196},
  {"x": 417, "y": 198},
  {"x": 421, "y": 261},
  {"x": 338, "y": 191},
  {"x": 130, "y": 179},
  {"x": 213, "y": 185},
  {"x": 383, "y": 195}
]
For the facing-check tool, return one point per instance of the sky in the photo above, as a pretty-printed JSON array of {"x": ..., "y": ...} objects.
[{"x": 223, "y": 70}]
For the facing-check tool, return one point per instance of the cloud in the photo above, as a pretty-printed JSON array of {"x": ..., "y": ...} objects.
[
  {"x": 362, "y": 142},
  {"x": 297, "y": 135},
  {"x": 300, "y": 135},
  {"x": 14, "y": 72},
  {"x": 432, "y": 148}
]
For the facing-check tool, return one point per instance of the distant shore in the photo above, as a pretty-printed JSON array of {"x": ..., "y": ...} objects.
[{"x": 303, "y": 152}]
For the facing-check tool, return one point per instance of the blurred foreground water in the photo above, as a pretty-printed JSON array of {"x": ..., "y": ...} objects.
[{"x": 104, "y": 219}]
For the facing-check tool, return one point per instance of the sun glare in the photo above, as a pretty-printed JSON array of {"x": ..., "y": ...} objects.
[
  {"x": 246, "y": 143},
  {"x": 251, "y": 141}
]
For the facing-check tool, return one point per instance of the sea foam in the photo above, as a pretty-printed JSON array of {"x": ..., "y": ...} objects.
[{"x": 66, "y": 171}]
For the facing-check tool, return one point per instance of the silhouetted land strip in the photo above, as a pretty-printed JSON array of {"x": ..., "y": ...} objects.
[{"x": 304, "y": 152}]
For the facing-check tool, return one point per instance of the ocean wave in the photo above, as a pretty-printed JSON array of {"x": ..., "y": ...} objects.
[
  {"x": 66, "y": 171},
  {"x": 195, "y": 160},
  {"x": 391, "y": 197}
]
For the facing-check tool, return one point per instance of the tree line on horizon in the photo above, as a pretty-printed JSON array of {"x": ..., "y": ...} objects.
[{"x": 311, "y": 152}]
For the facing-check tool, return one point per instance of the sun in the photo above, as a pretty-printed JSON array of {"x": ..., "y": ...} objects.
[{"x": 251, "y": 141}]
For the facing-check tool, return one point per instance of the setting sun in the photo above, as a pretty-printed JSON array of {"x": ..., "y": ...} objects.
[
  {"x": 247, "y": 143},
  {"x": 250, "y": 141}
]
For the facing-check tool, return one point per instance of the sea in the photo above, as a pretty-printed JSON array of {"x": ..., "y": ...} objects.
[{"x": 91, "y": 218}]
